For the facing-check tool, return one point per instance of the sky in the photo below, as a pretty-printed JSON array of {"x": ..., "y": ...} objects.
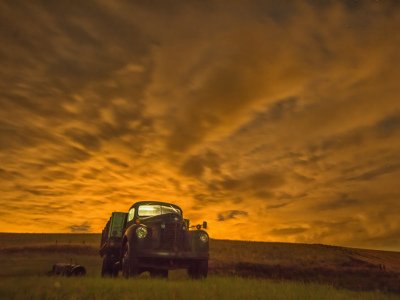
[{"x": 271, "y": 120}]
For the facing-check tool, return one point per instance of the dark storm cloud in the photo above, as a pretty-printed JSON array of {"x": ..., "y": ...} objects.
[
  {"x": 69, "y": 154},
  {"x": 193, "y": 166},
  {"x": 382, "y": 170},
  {"x": 14, "y": 136},
  {"x": 92, "y": 173},
  {"x": 41, "y": 190},
  {"x": 353, "y": 138},
  {"x": 253, "y": 182},
  {"x": 344, "y": 201},
  {"x": 239, "y": 80},
  {"x": 288, "y": 196},
  {"x": 231, "y": 88},
  {"x": 78, "y": 45},
  {"x": 59, "y": 51},
  {"x": 276, "y": 111},
  {"x": 276, "y": 206},
  {"x": 236, "y": 190},
  {"x": 389, "y": 239},
  {"x": 388, "y": 126},
  {"x": 84, "y": 227},
  {"x": 117, "y": 162},
  {"x": 137, "y": 135},
  {"x": 231, "y": 214},
  {"x": 206, "y": 199},
  {"x": 99, "y": 202},
  {"x": 197, "y": 164},
  {"x": 9, "y": 174},
  {"x": 85, "y": 139},
  {"x": 288, "y": 231},
  {"x": 327, "y": 228},
  {"x": 45, "y": 221},
  {"x": 36, "y": 209},
  {"x": 58, "y": 175}
]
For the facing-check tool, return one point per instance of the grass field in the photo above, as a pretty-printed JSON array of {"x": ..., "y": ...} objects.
[
  {"x": 212, "y": 288},
  {"x": 237, "y": 270}
]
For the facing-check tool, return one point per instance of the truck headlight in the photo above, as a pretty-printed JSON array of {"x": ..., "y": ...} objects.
[
  {"x": 203, "y": 237},
  {"x": 141, "y": 232}
]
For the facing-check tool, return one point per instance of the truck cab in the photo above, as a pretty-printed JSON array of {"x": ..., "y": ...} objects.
[{"x": 153, "y": 236}]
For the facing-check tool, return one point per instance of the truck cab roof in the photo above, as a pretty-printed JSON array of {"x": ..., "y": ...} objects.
[{"x": 136, "y": 204}]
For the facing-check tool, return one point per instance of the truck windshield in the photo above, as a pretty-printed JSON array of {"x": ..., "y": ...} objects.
[{"x": 148, "y": 210}]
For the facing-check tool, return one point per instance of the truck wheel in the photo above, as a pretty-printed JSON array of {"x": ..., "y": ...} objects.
[
  {"x": 115, "y": 270},
  {"x": 78, "y": 271},
  {"x": 198, "y": 269},
  {"x": 107, "y": 266},
  {"x": 159, "y": 273},
  {"x": 130, "y": 266}
]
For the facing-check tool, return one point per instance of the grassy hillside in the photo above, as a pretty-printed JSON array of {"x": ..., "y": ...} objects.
[{"x": 355, "y": 269}]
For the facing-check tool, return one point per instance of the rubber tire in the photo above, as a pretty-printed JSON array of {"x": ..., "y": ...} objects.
[
  {"x": 129, "y": 262},
  {"x": 198, "y": 269},
  {"x": 115, "y": 270},
  {"x": 159, "y": 273},
  {"x": 107, "y": 266},
  {"x": 79, "y": 271}
]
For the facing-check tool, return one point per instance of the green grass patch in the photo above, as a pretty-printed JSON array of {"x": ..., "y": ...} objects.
[{"x": 212, "y": 288}]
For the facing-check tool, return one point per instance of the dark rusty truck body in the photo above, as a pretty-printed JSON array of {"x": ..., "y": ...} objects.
[{"x": 153, "y": 236}]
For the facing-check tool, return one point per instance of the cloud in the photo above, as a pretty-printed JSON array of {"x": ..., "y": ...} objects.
[
  {"x": 276, "y": 206},
  {"x": 84, "y": 227},
  {"x": 259, "y": 181},
  {"x": 16, "y": 136},
  {"x": 69, "y": 154},
  {"x": 287, "y": 231},
  {"x": 83, "y": 138},
  {"x": 388, "y": 125},
  {"x": 42, "y": 191},
  {"x": 370, "y": 175},
  {"x": 8, "y": 174},
  {"x": 231, "y": 214},
  {"x": 196, "y": 165},
  {"x": 222, "y": 93},
  {"x": 344, "y": 201},
  {"x": 92, "y": 173},
  {"x": 117, "y": 162},
  {"x": 56, "y": 175}
]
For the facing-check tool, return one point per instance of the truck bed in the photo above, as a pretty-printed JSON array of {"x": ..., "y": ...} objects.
[{"x": 111, "y": 236}]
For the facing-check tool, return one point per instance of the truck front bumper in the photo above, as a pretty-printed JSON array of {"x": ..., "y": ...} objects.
[
  {"x": 172, "y": 255},
  {"x": 168, "y": 260}
]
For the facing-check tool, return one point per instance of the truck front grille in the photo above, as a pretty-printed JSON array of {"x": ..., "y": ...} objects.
[{"x": 171, "y": 236}]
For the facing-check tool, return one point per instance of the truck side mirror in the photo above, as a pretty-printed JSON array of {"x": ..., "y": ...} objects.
[{"x": 204, "y": 224}]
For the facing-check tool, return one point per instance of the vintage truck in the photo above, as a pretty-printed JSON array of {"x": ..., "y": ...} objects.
[{"x": 153, "y": 236}]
